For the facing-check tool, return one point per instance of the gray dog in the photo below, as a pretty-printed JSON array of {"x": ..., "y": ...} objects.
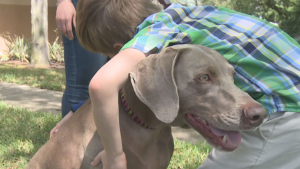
[{"x": 183, "y": 85}]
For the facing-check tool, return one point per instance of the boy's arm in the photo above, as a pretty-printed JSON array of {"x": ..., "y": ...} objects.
[{"x": 104, "y": 89}]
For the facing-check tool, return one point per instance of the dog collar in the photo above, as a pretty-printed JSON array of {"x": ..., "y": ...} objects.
[{"x": 133, "y": 116}]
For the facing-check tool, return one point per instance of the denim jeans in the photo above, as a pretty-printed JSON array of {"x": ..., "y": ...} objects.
[{"x": 80, "y": 67}]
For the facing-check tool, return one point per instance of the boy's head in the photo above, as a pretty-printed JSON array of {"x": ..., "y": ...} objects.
[{"x": 105, "y": 25}]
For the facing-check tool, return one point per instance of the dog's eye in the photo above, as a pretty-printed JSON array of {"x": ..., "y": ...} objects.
[{"x": 204, "y": 78}]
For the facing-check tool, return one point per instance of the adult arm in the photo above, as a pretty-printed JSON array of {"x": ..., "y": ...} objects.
[{"x": 65, "y": 17}]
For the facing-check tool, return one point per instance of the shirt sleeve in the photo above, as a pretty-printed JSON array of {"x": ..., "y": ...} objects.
[{"x": 156, "y": 33}]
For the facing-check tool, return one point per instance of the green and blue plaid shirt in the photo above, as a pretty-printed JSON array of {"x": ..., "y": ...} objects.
[{"x": 266, "y": 59}]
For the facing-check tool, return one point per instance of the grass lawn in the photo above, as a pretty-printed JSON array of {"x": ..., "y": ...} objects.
[
  {"x": 23, "y": 132},
  {"x": 52, "y": 79}
]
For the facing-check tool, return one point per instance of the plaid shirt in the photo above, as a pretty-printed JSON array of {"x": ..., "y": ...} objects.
[{"x": 266, "y": 60}]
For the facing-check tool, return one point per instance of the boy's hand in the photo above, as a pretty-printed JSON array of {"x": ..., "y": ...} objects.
[
  {"x": 56, "y": 128},
  {"x": 65, "y": 16},
  {"x": 117, "y": 162}
]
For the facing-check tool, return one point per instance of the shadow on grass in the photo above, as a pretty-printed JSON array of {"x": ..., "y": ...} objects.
[
  {"x": 51, "y": 79},
  {"x": 22, "y": 134}
]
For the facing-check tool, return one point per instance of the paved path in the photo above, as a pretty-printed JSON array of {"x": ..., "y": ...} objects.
[
  {"x": 41, "y": 100},
  {"x": 31, "y": 98}
]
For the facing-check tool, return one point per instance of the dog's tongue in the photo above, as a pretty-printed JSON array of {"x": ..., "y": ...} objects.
[{"x": 233, "y": 138}]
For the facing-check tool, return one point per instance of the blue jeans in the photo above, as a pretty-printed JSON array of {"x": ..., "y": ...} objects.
[{"x": 80, "y": 67}]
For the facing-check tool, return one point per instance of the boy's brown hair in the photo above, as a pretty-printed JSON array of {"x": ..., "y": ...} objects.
[{"x": 102, "y": 23}]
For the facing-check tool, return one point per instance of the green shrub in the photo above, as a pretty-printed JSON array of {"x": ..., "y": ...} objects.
[
  {"x": 56, "y": 51},
  {"x": 19, "y": 48}
]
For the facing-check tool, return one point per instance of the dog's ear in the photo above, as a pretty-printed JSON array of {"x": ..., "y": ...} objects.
[{"x": 154, "y": 84}]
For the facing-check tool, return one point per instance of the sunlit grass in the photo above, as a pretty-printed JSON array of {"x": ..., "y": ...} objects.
[
  {"x": 188, "y": 156},
  {"x": 51, "y": 79},
  {"x": 23, "y": 132}
]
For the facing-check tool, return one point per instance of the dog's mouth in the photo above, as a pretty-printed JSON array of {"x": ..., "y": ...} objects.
[{"x": 225, "y": 140}]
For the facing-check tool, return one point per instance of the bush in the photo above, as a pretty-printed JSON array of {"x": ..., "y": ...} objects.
[
  {"x": 19, "y": 48},
  {"x": 56, "y": 51}
]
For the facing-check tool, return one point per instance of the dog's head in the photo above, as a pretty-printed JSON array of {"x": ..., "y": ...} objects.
[{"x": 193, "y": 84}]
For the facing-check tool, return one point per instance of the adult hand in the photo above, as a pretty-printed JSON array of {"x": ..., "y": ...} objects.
[
  {"x": 59, "y": 124},
  {"x": 65, "y": 17},
  {"x": 117, "y": 162}
]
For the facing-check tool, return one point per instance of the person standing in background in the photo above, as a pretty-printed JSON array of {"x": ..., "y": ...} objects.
[{"x": 80, "y": 64}]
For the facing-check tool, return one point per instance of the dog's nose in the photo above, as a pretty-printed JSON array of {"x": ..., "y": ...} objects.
[{"x": 254, "y": 113}]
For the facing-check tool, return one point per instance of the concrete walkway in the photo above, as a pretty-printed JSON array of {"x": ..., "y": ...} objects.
[{"x": 41, "y": 100}]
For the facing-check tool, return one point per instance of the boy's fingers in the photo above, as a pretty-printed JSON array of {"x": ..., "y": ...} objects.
[
  {"x": 97, "y": 160},
  {"x": 51, "y": 133}
]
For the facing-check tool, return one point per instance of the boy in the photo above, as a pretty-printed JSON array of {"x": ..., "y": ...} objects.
[{"x": 264, "y": 57}]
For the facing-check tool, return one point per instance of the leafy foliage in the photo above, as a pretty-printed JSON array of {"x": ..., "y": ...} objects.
[
  {"x": 20, "y": 48},
  {"x": 223, "y": 3},
  {"x": 56, "y": 51},
  {"x": 187, "y": 2},
  {"x": 285, "y": 13}
]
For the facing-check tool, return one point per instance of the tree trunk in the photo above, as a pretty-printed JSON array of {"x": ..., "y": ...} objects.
[{"x": 39, "y": 33}]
